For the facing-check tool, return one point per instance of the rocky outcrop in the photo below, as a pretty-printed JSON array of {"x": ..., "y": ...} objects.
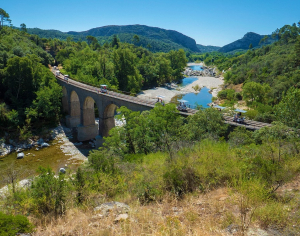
[
  {"x": 205, "y": 72},
  {"x": 119, "y": 207}
]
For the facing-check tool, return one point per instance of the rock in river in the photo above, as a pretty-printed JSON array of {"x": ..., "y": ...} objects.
[
  {"x": 45, "y": 145},
  {"x": 20, "y": 155}
]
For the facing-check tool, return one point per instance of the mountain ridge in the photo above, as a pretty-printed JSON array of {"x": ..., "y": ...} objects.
[
  {"x": 244, "y": 42},
  {"x": 158, "y": 38}
]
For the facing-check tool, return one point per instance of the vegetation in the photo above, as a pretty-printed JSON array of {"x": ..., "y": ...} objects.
[
  {"x": 153, "y": 38},
  {"x": 119, "y": 65},
  {"x": 28, "y": 90},
  {"x": 11, "y": 225},
  {"x": 173, "y": 158},
  {"x": 266, "y": 75},
  {"x": 157, "y": 157}
]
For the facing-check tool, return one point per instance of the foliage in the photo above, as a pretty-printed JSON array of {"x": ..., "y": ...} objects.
[
  {"x": 12, "y": 225},
  {"x": 288, "y": 110},
  {"x": 205, "y": 123},
  {"x": 48, "y": 192},
  {"x": 27, "y": 88},
  {"x": 153, "y": 38}
]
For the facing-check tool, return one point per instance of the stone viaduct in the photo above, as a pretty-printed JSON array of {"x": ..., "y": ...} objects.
[{"x": 80, "y": 100}]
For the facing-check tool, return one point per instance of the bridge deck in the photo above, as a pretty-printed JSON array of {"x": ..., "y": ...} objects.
[{"x": 249, "y": 124}]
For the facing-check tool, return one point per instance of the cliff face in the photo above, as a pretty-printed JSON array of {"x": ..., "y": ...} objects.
[
  {"x": 152, "y": 33},
  {"x": 243, "y": 43}
]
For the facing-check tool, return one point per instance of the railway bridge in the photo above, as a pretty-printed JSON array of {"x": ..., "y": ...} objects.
[{"x": 79, "y": 101}]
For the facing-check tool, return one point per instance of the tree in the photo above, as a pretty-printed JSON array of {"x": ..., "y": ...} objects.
[
  {"x": 23, "y": 27},
  {"x": 4, "y": 16},
  {"x": 165, "y": 124},
  {"x": 256, "y": 92},
  {"x": 178, "y": 63},
  {"x": 250, "y": 46},
  {"x": 115, "y": 41},
  {"x": 19, "y": 81},
  {"x": 136, "y": 39},
  {"x": 288, "y": 110},
  {"x": 297, "y": 50},
  {"x": 205, "y": 123}
]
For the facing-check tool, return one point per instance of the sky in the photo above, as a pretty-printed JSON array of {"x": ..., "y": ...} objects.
[{"x": 209, "y": 22}]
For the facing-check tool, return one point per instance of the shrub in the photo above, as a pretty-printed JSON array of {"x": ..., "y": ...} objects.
[
  {"x": 11, "y": 225},
  {"x": 273, "y": 213},
  {"x": 181, "y": 180}
]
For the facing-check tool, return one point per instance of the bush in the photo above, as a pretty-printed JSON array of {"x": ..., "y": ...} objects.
[
  {"x": 181, "y": 180},
  {"x": 272, "y": 213},
  {"x": 11, "y": 225}
]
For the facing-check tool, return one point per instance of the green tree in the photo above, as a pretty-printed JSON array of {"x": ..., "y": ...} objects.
[
  {"x": 205, "y": 123},
  {"x": 177, "y": 62},
  {"x": 115, "y": 41},
  {"x": 256, "y": 92},
  {"x": 48, "y": 192},
  {"x": 14, "y": 225},
  {"x": 288, "y": 110},
  {"x": 165, "y": 125},
  {"x": 19, "y": 81},
  {"x": 4, "y": 16},
  {"x": 23, "y": 27},
  {"x": 297, "y": 50},
  {"x": 136, "y": 39}
]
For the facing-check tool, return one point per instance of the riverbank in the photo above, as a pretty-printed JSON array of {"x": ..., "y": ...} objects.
[
  {"x": 62, "y": 152},
  {"x": 168, "y": 92}
]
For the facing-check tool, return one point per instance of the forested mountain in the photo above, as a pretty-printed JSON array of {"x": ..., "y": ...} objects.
[
  {"x": 207, "y": 48},
  {"x": 270, "y": 76},
  {"x": 153, "y": 38},
  {"x": 244, "y": 43}
]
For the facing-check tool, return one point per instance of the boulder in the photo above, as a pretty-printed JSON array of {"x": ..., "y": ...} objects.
[
  {"x": 121, "y": 217},
  {"x": 107, "y": 207},
  {"x": 5, "y": 149},
  {"x": 40, "y": 141},
  {"x": 19, "y": 150},
  {"x": 20, "y": 155},
  {"x": 45, "y": 145}
]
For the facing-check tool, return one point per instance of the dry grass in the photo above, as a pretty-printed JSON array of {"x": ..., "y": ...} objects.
[{"x": 197, "y": 214}]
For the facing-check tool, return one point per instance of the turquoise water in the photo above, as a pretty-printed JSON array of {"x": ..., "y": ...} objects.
[
  {"x": 186, "y": 81},
  {"x": 196, "y": 68},
  {"x": 202, "y": 98}
]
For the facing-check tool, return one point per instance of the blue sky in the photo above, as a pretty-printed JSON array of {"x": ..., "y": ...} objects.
[{"x": 209, "y": 22}]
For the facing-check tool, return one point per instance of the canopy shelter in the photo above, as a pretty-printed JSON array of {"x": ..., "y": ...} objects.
[
  {"x": 219, "y": 107},
  {"x": 182, "y": 100},
  {"x": 239, "y": 110}
]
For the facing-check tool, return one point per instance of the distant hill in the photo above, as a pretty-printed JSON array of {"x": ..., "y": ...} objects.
[
  {"x": 156, "y": 39},
  {"x": 208, "y": 48},
  {"x": 243, "y": 43}
]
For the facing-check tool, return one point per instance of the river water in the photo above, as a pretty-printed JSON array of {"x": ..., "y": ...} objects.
[{"x": 51, "y": 156}]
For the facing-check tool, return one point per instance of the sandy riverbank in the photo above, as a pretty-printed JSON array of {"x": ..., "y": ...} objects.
[{"x": 168, "y": 93}]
